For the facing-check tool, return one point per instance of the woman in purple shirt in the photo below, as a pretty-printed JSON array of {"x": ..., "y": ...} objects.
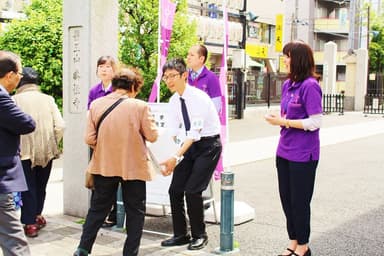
[
  {"x": 105, "y": 70},
  {"x": 298, "y": 151},
  {"x": 106, "y": 67}
]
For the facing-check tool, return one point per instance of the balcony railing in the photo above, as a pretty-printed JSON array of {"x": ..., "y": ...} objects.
[{"x": 331, "y": 26}]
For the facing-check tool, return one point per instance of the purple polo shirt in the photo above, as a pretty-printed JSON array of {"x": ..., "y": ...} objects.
[
  {"x": 299, "y": 101},
  {"x": 207, "y": 81},
  {"x": 97, "y": 91}
]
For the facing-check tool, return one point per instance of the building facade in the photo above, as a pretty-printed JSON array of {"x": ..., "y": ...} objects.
[
  {"x": 317, "y": 22},
  {"x": 11, "y": 9},
  {"x": 251, "y": 41}
]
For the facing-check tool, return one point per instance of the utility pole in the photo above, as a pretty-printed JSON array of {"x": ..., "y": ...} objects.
[
  {"x": 368, "y": 25},
  {"x": 352, "y": 22},
  {"x": 295, "y": 19}
]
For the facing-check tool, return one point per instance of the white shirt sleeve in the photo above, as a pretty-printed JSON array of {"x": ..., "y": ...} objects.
[
  {"x": 313, "y": 122},
  {"x": 217, "y": 102}
]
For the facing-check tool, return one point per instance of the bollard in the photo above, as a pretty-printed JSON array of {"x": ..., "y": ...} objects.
[
  {"x": 227, "y": 212},
  {"x": 120, "y": 211}
]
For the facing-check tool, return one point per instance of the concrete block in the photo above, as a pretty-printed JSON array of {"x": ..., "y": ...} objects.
[{"x": 242, "y": 213}]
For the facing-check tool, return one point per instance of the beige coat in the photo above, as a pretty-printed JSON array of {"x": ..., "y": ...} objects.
[
  {"x": 120, "y": 149},
  {"x": 40, "y": 146}
]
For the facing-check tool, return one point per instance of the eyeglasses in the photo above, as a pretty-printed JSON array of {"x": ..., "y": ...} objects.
[
  {"x": 21, "y": 74},
  {"x": 170, "y": 76}
]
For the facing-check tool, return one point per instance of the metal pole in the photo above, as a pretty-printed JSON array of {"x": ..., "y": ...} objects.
[
  {"x": 120, "y": 211},
  {"x": 269, "y": 89},
  {"x": 227, "y": 212},
  {"x": 368, "y": 26},
  {"x": 239, "y": 94}
]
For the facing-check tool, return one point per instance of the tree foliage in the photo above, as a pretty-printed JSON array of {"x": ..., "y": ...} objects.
[
  {"x": 38, "y": 41},
  {"x": 376, "y": 45},
  {"x": 376, "y": 49},
  {"x": 139, "y": 36}
]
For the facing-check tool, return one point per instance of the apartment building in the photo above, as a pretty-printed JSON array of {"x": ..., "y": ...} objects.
[
  {"x": 320, "y": 21},
  {"x": 11, "y": 9}
]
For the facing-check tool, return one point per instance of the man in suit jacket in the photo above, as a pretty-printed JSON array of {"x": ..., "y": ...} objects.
[{"x": 13, "y": 123}]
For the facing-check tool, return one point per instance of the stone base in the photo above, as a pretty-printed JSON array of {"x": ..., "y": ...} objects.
[{"x": 242, "y": 213}]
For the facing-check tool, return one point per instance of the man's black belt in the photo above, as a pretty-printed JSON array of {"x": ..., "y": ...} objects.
[{"x": 210, "y": 137}]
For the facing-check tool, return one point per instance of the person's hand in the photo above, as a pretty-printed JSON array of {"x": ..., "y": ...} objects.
[
  {"x": 168, "y": 166},
  {"x": 273, "y": 119}
]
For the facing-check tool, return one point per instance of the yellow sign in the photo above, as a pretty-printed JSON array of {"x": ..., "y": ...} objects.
[
  {"x": 279, "y": 32},
  {"x": 256, "y": 50}
]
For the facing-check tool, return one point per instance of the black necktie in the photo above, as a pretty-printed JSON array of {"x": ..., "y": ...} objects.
[{"x": 187, "y": 122}]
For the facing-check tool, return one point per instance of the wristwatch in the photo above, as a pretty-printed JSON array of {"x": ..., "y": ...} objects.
[{"x": 178, "y": 158}]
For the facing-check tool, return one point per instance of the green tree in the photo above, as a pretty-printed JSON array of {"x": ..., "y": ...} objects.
[
  {"x": 38, "y": 41},
  {"x": 139, "y": 36},
  {"x": 376, "y": 49}
]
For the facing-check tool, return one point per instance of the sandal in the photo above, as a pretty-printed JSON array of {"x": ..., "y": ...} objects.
[
  {"x": 307, "y": 253},
  {"x": 290, "y": 250}
]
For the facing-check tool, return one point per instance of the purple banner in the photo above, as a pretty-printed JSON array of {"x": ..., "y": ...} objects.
[
  {"x": 224, "y": 98},
  {"x": 167, "y": 10}
]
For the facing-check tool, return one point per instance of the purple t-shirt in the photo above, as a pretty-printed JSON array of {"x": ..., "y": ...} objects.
[
  {"x": 207, "y": 81},
  {"x": 299, "y": 101},
  {"x": 97, "y": 91}
]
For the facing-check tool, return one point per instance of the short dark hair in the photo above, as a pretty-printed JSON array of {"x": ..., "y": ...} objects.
[
  {"x": 30, "y": 76},
  {"x": 302, "y": 63},
  {"x": 128, "y": 78},
  {"x": 202, "y": 51},
  {"x": 177, "y": 64},
  {"x": 8, "y": 62}
]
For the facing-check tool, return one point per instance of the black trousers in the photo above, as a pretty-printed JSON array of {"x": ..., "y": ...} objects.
[
  {"x": 190, "y": 178},
  {"x": 296, "y": 183},
  {"x": 112, "y": 216},
  {"x": 134, "y": 197},
  {"x": 33, "y": 200}
]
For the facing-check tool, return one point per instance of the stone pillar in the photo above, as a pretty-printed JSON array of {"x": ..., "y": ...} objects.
[
  {"x": 361, "y": 78},
  {"x": 350, "y": 82},
  {"x": 329, "y": 68},
  {"x": 90, "y": 29}
]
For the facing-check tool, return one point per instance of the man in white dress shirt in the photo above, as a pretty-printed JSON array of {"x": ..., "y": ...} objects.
[{"x": 195, "y": 161}]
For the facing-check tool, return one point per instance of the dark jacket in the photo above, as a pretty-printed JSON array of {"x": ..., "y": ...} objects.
[{"x": 13, "y": 123}]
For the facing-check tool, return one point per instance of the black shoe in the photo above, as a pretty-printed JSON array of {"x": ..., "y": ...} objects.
[
  {"x": 198, "y": 243},
  {"x": 108, "y": 224},
  {"x": 80, "y": 252},
  {"x": 176, "y": 240}
]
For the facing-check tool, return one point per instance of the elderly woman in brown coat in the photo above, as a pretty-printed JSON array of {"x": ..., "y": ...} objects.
[{"x": 120, "y": 156}]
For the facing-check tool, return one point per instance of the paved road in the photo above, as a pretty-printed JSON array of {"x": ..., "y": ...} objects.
[{"x": 347, "y": 208}]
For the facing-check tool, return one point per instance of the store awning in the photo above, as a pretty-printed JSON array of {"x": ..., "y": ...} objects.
[{"x": 252, "y": 63}]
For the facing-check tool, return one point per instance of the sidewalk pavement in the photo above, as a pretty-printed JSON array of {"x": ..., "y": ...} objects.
[{"x": 252, "y": 143}]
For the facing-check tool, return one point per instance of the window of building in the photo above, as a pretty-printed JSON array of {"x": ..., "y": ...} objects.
[{"x": 340, "y": 72}]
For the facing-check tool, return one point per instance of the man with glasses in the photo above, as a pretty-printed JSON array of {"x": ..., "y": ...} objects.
[
  {"x": 13, "y": 123},
  {"x": 194, "y": 162}
]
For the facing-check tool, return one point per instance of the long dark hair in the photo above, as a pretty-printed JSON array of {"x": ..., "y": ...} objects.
[{"x": 302, "y": 63}]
